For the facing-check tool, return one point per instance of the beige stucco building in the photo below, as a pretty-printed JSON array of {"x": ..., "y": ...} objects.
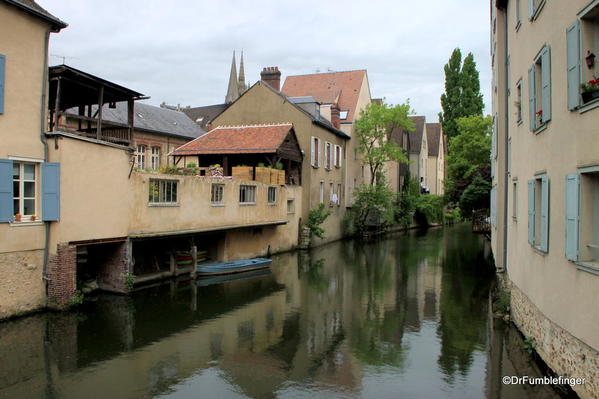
[
  {"x": 25, "y": 29},
  {"x": 435, "y": 162},
  {"x": 545, "y": 196}
]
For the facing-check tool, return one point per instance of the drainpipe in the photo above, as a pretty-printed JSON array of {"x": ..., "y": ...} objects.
[
  {"x": 45, "y": 145},
  {"x": 505, "y": 144}
]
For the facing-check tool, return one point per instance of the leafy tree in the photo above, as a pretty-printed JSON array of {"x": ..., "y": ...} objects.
[
  {"x": 462, "y": 95},
  {"x": 373, "y": 130},
  {"x": 316, "y": 217},
  {"x": 475, "y": 196},
  {"x": 373, "y": 205},
  {"x": 469, "y": 157}
]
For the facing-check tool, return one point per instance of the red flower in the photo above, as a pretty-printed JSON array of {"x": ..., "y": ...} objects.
[{"x": 539, "y": 112}]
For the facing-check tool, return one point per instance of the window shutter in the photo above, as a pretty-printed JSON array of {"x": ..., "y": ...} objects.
[
  {"x": 2, "y": 74},
  {"x": 312, "y": 160},
  {"x": 50, "y": 192},
  {"x": 544, "y": 214},
  {"x": 319, "y": 149},
  {"x": 531, "y": 212},
  {"x": 546, "y": 83},
  {"x": 531, "y": 97},
  {"x": 573, "y": 39},
  {"x": 531, "y": 9},
  {"x": 6, "y": 194},
  {"x": 572, "y": 216},
  {"x": 340, "y": 156},
  {"x": 335, "y": 158},
  {"x": 326, "y": 155}
]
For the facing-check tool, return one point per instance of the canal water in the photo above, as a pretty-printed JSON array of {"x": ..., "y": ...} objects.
[{"x": 407, "y": 316}]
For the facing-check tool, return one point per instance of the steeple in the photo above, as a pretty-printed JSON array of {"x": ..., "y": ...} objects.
[
  {"x": 233, "y": 89},
  {"x": 242, "y": 85}
]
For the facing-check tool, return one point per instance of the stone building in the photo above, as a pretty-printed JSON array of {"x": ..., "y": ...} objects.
[{"x": 545, "y": 163}]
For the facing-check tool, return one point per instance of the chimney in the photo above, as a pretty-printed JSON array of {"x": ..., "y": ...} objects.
[
  {"x": 335, "y": 117},
  {"x": 271, "y": 76}
]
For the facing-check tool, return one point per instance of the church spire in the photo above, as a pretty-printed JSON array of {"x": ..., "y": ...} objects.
[
  {"x": 233, "y": 89},
  {"x": 242, "y": 86}
]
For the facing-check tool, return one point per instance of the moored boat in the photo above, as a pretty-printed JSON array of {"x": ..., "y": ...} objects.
[{"x": 238, "y": 266}]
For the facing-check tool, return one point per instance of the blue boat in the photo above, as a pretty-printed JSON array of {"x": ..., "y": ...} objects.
[
  {"x": 212, "y": 280},
  {"x": 238, "y": 266}
]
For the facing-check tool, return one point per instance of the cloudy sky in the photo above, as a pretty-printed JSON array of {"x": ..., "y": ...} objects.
[{"x": 180, "y": 51}]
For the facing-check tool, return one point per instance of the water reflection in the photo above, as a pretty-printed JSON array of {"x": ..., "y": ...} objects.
[{"x": 406, "y": 316}]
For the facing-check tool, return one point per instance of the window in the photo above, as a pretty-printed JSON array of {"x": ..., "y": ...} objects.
[
  {"x": 140, "y": 156},
  {"x": 290, "y": 206},
  {"x": 155, "y": 158},
  {"x": 332, "y": 195},
  {"x": 2, "y": 74},
  {"x": 24, "y": 180},
  {"x": 515, "y": 200},
  {"x": 217, "y": 194},
  {"x": 315, "y": 152},
  {"x": 538, "y": 212},
  {"x": 247, "y": 194},
  {"x": 518, "y": 102},
  {"x": 163, "y": 191},
  {"x": 534, "y": 8},
  {"x": 539, "y": 81},
  {"x": 272, "y": 195},
  {"x": 582, "y": 218},
  {"x": 343, "y": 115},
  {"x": 321, "y": 192},
  {"x": 328, "y": 155},
  {"x": 509, "y": 156},
  {"x": 338, "y": 156}
]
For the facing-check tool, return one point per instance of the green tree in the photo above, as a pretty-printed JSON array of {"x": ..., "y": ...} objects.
[
  {"x": 373, "y": 130},
  {"x": 470, "y": 155},
  {"x": 462, "y": 95}
]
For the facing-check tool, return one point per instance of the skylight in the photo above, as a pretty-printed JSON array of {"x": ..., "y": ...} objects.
[{"x": 343, "y": 114}]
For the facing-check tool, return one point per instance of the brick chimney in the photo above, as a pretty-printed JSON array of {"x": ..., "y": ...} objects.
[
  {"x": 335, "y": 116},
  {"x": 272, "y": 76}
]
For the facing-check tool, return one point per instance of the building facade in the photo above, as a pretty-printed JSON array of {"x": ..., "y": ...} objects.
[
  {"x": 435, "y": 164},
  {"x": 545, "y": 162}
]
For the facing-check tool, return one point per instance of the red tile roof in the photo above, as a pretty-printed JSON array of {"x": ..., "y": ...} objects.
[
  {"x": 341, "y": 87},
  {"x": 246, "y": 139}
]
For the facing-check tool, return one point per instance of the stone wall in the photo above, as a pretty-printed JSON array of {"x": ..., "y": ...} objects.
[
  {"x": 21, "y": 284},
  {"x": 62, "y": 276},
  {"x": 113, "y": 269},
  {"x": 566, "y": 355}
]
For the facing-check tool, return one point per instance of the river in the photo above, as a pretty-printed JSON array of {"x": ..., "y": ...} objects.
[{"x": 406, "y": 316}]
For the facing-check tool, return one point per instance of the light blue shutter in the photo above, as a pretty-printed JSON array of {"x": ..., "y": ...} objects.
[
  {"x": 531, "y": 9},
  {"x": 532, "y": 103},
  {"x": 6, "y": 194},
  {"x": 572, "y": 216},
  {"x": 50, "y": 191},
  {"x": 544, "y": 214},
  {"x": 2, "y": 75},
  {"x": 573, "y": 39},
  {"x": 531, "y": 212},
  {"x": 546, "y": 83}
]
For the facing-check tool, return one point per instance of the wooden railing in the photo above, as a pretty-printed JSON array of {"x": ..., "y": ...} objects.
[{"x": 481, "y": 222}]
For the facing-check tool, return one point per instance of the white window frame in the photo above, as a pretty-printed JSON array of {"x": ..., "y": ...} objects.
[
  {"x": 321, "y": 192},
  {"x": 328, "y": 161},
  {"x": 272, "y": 195},
  {"x": 20, "y": 207},
  {"x": 140, "y": 156},
  {"x": 163, "y": 197},
  {"x": 534, "y": 8},
  {"x": 247, "y": 194},
  {"x": 588, "y": 219},
  {"x": 155, "y": 157},
  {"x": 217, "y": 194},
  {"x": 515, "y": 200},
  {"x": 316, "y": 154}
]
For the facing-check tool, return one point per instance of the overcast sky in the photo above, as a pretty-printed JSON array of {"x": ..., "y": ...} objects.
[{"x": 180, "y": 51}]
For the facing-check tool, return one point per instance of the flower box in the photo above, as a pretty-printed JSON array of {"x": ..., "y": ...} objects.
[
  {"x": 588, "y": 96},
  {"x": 281, "y": 177},
  {"x": 243, "y": 173},
  {"x": 274, "y": 176},
  {"x": 262, "y": 174}
]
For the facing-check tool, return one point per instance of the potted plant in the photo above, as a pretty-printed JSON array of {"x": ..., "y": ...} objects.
[
  {"x": 590, "y": 90},
  {"x": 18, "y": 217},
  {"x": 539, "y": 115},
  {"x": 33, "y": 217}
]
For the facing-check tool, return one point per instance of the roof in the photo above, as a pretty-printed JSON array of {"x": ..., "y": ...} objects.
[
  {"x": 433, "y": 133},
  {"x": 153, "y": 119},
  {"x": 204, "y": 115},
  {"x": 303, "y": 100},
  {"x": 342, "y": 88},
  {"x": 33, "y": 8},
  {"x": 245, "y": 139},
  {"x": 416, "y": 136}
]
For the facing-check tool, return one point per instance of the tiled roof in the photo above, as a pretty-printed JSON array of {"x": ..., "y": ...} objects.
[
  {"x": 415, "y": 137},
  {"x": 150, "y": 118},
  {"x": 204, "y": 115},
  {"x": 32, "y": 7},
  {"x": 245, "y": 139},
  {"x": 342, "y": 88},
  {"x": 433, "y": 133}
]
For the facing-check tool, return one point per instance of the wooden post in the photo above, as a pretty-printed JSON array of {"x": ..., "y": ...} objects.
[
  {"x": 81, "y": 113},
  {"x": 100, "y": 105},
  {"x": 89, "y": 122},
  {"x": 194, "y": 261},
  {"x": 56, "y": 106},
  {"x": 173, "y": 264},
  {"x": 130, "y": 119},
  {"x": 225, "y": 166}
]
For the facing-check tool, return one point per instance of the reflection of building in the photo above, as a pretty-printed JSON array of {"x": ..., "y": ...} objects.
[{"x": 545, "y": 195}]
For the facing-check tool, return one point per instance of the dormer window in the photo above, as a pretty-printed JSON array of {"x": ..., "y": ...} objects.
[{"x": 343, "y": 115}]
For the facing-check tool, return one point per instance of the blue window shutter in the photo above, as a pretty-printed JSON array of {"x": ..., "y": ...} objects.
[
  {"x": 531, "y": 212},
  {"x": 50, "y": 191},
  {"x": 572, "y": 216},
  {"x": 6, "y": 194},
  {"x": 531, "y": 9},
  {"x": 531, "y": 98},
  {"x": 546, "y": 83},
  {"x": 573, "y": 39},
  {"x": 2, "y": 75},
  {"x": 544, "y": 214}
]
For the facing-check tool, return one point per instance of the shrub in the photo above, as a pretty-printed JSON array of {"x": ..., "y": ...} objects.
[
  {"x": 374, "y": 206},
  {"x": 430, "y": 208},
  {"x": 316, "y": 217},
  {"x": 129, "y": 281},
  {"x": 76, "y": 299}
]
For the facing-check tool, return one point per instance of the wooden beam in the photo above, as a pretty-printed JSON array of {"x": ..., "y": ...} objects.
[
  {"x": 100, "y": 106},
  {"x": 130, "y": 117},
  {"x": 56, "y": 106},
  {"x": 81, "y": 113}
]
